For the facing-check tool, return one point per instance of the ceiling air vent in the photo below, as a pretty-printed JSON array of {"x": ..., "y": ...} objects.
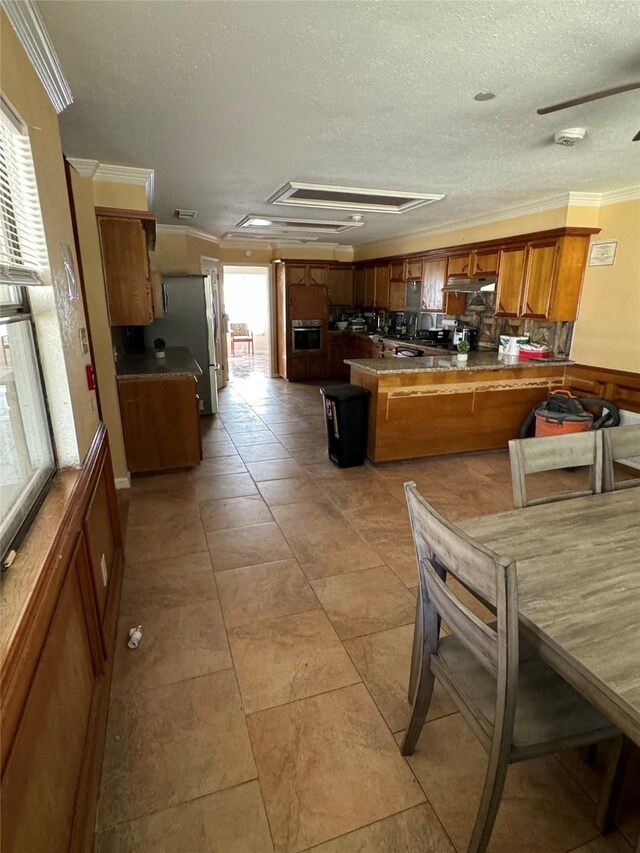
[
  {"x": 351, "y": 198},
  {"x": 182, "y": 213},
  {"x": 285, "y": 225}
]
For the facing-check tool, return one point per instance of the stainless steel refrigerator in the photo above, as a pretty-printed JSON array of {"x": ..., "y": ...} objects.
[{"x": 191, "y": 320}]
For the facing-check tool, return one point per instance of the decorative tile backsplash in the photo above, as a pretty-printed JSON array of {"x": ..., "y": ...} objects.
[{"x": 481, "y": 314}]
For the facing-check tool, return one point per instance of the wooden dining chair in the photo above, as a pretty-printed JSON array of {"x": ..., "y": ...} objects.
[
  {"x": 621, "y": 442},
  {"x": 533, "y": 455},
  {"x": 517, "y": 706}
]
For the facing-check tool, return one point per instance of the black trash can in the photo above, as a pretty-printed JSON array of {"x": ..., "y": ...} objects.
[{"x": 346, "y": 409}]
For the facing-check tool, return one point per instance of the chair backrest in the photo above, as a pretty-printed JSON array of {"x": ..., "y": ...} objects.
[
  {"x": 532, "y": 455},
  {"x": 621, "y": 442},
  {"x": 442, "y": 548},
  {"x": 239, "y": 329}
]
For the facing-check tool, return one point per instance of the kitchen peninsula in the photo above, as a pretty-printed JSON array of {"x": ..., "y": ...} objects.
[{"x": 433, "y": 405}]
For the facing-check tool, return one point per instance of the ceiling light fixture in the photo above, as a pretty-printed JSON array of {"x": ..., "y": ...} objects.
[
  {"x": 361, "y": 199},
  {"x": 289, "y": 225},
  {"x": 484, "y": 96},
  {"x": 182, "y": 213}
]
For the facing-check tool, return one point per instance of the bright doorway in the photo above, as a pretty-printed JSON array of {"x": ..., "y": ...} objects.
[{"x": 247, "y": 305}]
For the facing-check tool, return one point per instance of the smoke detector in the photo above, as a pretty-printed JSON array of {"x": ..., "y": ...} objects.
[
  {"x": 181, "y": 213},
  {"x": 569, "y": 136}
]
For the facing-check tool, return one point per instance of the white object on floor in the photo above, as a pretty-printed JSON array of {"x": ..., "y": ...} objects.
[{"x": 135, "y": 635}]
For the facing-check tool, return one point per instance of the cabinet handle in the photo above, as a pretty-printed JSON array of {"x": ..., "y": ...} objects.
[
  {"x": 530, "y": 309},
  {"x": 501, "y": 308}
]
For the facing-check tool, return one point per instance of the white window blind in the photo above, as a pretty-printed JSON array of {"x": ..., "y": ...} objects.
[{"x": 23, "y": 250}]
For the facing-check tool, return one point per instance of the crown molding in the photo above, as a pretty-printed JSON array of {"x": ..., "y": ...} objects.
[
  {"x": 115, "y": 174},
  {"x": 34, "y": 38},
  {"x": 187, "y": 229},
  {"x": 584, "y": 199},
  {"x": 617, "y": 196}
]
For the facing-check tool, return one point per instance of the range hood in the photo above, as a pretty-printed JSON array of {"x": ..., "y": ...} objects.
[{"x": 473, "y": 284}]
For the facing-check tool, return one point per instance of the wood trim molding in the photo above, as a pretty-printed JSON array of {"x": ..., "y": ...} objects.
[
  {"x": 34, "y": 38},
  {"x": 495, "y": 243},
  {"x": 620, "y": 387}
]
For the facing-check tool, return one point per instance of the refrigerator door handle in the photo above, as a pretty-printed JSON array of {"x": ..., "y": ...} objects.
[{"x": 165, "y": 300}]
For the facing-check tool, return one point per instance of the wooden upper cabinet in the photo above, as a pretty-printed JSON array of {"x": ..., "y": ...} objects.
[
  {"x": 381, "y": 295},
  {"x": 125, "y": 261},
  {"x": 433, "y": 280},
  {"x": 512, "y": 262},
  {"x": 359, "y": 287},
  {"x": 414, "y": 268},
  {"x": 317, "y": 275},
  {"x": 538, "y": 280},
  {"x": 397, "y": 271},
  {"x": 369, "y": 287},
  {"x": 397, "y": 296},
  {"x": 484, "y": 262},
  {"x": 306, "y": 302},
  {"x": 459, "y": 264},
  {"x": 296, "y": 274},
  {"x": 340, "y": 285}
]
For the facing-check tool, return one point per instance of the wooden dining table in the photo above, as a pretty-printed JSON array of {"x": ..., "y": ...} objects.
[{"x": 578, "y": 568}]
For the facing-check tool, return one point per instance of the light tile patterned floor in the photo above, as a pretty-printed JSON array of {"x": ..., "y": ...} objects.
[{"x": 263, "y": 707}]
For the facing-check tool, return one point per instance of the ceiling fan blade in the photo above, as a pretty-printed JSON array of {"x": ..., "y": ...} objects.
[
  {"x": 594, "y": 96},
  {"x": 636, "y": 138}
]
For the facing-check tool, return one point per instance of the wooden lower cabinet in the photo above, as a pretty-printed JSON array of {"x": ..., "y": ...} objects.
[
  {"x": 160, "y": 422},
  {"x": 56, "y": 677},
  {"x": 41, "y": 780}
]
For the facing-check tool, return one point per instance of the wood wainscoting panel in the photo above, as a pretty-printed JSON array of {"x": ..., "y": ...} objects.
[
  {"x": 54, "y": 679},
  {"x": 620, "y": 387}
]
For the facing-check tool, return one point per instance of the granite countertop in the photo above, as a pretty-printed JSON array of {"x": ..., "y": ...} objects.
[
  {"x": 488, "y": 360},
  {"x": 178, "y": 361}
]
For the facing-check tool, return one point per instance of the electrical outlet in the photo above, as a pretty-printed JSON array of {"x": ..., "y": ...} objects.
[{"x": 103, "y": 569}]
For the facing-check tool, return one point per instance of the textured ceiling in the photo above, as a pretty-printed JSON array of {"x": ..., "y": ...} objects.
[{"x": 229, "y": 100}]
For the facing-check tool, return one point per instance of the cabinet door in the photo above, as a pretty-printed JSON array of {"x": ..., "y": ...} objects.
[
  {"x": 538, "y": 279},
  {"x": 397, "y": 296},
  {"x": 414, "y": 268},
  {"x": 359, "y": 287},
  {"x": 369, "y": 286},
  {"x": 485, "y": 262},
  {"x": 41, "y": 780},
  {"x": 340, "y": 285},
  {"x": 458, "y": 264},
  {"x": 298, "y": 368},
  {"x": 160, "y": 423},
  {"x": 126, "y": 271},
  {"x": 157, "y": 296},
  {"x": 307, "y": 302},
  {"x": 317, "y": 275},
  {"x": 296, "y": 274},
  {"x": 433, "y": 279},
  {"x": 317, "y": 367},
  {"x": 397, "y": 271},
  {"x": 381, "y": 298},
  {"x": 510, "y": 281}
]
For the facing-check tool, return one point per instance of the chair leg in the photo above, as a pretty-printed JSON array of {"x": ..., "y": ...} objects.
[
  {"x": 421, "y": 704},
  {"x": 416, "y": 651},
  {"x": 611, "y": 784},
  {"x": 489, "y": 804}
]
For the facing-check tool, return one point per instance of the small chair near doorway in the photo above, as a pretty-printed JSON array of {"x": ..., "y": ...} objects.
[{"x": 240, "y": 333}]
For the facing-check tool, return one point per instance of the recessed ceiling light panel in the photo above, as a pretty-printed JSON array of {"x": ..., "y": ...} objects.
[
  {"x": 360, "y": 199},
  {"x": 484, "y": 96},
  {"x": 287, "y": 225}
]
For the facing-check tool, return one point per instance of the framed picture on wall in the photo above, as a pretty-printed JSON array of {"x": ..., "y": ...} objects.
[{"x": 603, "y": 254}]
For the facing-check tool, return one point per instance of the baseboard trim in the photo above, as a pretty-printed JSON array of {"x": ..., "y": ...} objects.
[{"x": 123, "y": 482}]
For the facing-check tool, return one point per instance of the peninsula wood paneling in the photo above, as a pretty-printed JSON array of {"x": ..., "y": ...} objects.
[{"x": 57, "y": 657}]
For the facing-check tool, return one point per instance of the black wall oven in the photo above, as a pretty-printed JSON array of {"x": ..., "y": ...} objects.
[{"x": 306, "y": 335}]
